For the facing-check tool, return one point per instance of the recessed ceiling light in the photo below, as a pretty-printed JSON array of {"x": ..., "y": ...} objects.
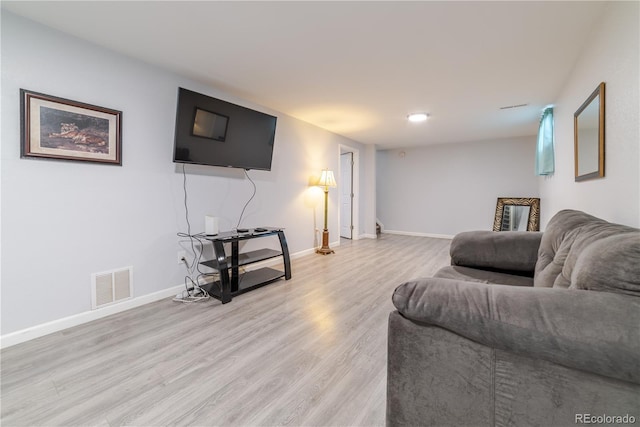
[{"x": 417, "y": 117}]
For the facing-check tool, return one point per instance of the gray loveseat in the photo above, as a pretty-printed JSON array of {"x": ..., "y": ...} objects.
[{"x": 522, "y": 329}]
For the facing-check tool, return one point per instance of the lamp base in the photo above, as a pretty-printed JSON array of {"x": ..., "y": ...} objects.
[{"x": 325, "y": 249}]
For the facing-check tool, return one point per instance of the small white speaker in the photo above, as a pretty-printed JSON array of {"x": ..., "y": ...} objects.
[{"x": 210, "y": 225}]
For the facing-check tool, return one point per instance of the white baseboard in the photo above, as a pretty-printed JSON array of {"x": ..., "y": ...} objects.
[
  {"x": 368, "y": 236},
  {"x": 413, "y": 233},
  {"x": 302, "y": 253},
  {"x": 43, "y": 329}
]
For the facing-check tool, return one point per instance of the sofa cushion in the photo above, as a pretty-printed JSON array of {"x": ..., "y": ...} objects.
[
  {"x": 591, "y": 331},
  {"x": 510, "y": 251},
  {"x": 483, "y": 276},
  {"x": 567, "y": 235},
  {"x": 611, "y": 264}
]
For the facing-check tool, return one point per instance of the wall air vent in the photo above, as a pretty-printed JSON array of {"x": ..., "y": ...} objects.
[
  {"x": 508, "y": 107},
  {"x": 110, "y": 287}
]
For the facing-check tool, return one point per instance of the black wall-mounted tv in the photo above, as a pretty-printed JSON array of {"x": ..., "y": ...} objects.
[{"x": 214, "y": 132}]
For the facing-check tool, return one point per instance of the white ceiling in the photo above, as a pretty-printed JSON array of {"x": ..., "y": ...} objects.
[{"x": 356, "y": 68}]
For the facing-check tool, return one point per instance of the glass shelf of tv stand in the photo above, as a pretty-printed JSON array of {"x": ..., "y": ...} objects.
[
  {"x": 245, "y": 258},
  {"x": 233, "y": 283}
]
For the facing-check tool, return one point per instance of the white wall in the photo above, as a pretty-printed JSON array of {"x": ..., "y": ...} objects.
[
  {"x": 611, "y": 55},
  {"x": 62, "y": 221},
  {"x": 448, "y": 188}
]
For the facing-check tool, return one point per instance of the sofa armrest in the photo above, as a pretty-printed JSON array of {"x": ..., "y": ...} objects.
[
  {"x": 591, "y": 331},
  {"x": 513, "y": 251}
]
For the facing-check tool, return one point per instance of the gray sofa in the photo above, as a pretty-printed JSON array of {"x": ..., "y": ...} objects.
[{"x": 524, "y": 328}]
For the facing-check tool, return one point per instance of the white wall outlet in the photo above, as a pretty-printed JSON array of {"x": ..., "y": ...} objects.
[{"x": 181, "y": 254}]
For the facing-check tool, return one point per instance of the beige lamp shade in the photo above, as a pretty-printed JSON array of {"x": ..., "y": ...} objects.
[{"x": 327, "y": 179}]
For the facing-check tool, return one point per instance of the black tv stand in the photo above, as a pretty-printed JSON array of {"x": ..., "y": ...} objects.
[{"x": 231, "y": 285}]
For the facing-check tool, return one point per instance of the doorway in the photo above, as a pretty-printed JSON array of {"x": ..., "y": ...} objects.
[{"x": 348, "y": 186}]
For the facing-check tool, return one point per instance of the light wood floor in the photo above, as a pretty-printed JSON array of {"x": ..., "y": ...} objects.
[{"x": 309, "y": 351}]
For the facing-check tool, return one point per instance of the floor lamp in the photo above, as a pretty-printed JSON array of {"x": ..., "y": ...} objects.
[{"x": 326, "y": 180}]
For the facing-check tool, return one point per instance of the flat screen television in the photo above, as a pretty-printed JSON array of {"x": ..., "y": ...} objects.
[{"x": 214, "y": 132}]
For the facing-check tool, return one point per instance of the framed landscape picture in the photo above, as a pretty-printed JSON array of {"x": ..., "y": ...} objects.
[{"x": 58, "y": 128}]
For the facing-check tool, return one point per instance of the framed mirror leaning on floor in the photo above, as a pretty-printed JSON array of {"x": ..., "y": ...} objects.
[{"x": 517, "y": 214}]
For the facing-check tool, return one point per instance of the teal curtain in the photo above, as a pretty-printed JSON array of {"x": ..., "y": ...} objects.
[{"x": 545, "y": 157}]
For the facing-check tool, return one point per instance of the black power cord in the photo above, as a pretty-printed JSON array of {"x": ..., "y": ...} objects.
[{"x": 197, "y": 254}]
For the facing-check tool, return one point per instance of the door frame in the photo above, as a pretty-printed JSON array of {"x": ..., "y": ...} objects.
[
  {"x": 355, "y": 184},
  {"x": 346, "y": 167}
]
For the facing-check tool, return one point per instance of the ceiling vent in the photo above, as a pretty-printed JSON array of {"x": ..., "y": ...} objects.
[
  {"x": 110, "y": 287},
  {"x": 508, "y": 107}
]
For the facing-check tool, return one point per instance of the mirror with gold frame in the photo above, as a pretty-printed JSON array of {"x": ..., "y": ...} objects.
[
  {"x": 588, "y": 125},
  {"x": 517, "y": 214}
]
